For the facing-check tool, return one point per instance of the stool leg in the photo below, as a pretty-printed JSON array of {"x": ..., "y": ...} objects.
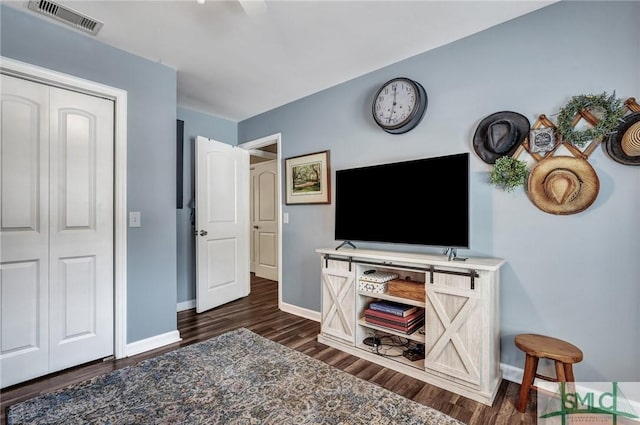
[
  {"x": 560, "y": 372},
  {"x": 568, "y": 372},
  {"x": 530, "y": 367}
]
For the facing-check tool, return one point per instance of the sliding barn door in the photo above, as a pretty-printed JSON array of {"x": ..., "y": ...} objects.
[{"x": 57, "y": 229}]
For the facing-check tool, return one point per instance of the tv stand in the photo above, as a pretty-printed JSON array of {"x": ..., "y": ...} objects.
[
  {"x": 346, "y": 243},
  {"x": 461, "y": 336}
]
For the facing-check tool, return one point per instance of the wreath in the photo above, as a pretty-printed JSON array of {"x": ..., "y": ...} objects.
[
  {"x": 508, "y": 173},
  {"x": 608, "y": 106}
]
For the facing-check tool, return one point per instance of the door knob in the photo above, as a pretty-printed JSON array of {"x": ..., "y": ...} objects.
[
  {"x": 203, "y": 233},
  {"x": 256, "y": 227}
]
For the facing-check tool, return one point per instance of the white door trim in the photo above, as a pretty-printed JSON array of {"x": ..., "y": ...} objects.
[
  {"x": 258, "y": 143},
  {"x": 42, "y": 75}
]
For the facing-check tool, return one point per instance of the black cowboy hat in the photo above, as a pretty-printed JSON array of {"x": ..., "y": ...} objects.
[{"x": 500, "y": 134}]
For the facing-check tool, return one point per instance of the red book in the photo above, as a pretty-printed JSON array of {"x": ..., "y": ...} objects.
[
  {"x": 393, "y": 318},
  {"x": 401, "y": 328}
]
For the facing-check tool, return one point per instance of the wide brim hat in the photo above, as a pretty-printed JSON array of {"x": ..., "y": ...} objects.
[
  {"x": 500, "y": 134},
  {"x": 563, "y": 185},
  {"x": 623, "y": 145}
]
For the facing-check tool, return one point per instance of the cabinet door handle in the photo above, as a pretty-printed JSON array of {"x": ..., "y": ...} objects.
[{"x": 203, "y": 233}]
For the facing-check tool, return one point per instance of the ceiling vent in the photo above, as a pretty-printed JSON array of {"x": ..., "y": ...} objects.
[{"x": 66, "y": 15}]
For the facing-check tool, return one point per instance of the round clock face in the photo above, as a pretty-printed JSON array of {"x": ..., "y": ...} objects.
[{"x": 399, "y": 105}]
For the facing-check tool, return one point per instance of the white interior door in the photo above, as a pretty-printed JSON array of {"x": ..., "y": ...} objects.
[
  {"x": 222, "y": 223},
  {"x": 24, "y": 237},
  {"x": 81, "y": 228},
  {"x": 264, "y": 219},
  {"x": 57, "y": 229}
]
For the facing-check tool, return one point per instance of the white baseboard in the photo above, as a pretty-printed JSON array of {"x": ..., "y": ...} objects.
[
  {"x": 299, "y": 311},
  {"x": 186, "y": 305},
  {"x": 152, "y": 343},
  {"x": 287, "y": 308},
  {"x": 512, "y": 373}
]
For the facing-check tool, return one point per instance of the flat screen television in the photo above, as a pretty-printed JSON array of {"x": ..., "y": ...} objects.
[{"x": 420, "y": 202}]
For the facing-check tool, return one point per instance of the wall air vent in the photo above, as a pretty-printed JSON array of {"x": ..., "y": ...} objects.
[{"x": 67, "y": 15}]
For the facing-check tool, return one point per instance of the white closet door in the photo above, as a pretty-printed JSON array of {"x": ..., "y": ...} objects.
[
  {"x": 81, "y": 228},
  {"x": 56, "y": 212},
  {"x": 24, "y": 233}
]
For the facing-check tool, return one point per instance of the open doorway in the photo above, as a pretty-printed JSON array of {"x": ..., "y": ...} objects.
[{"x": 265, "y": 207}]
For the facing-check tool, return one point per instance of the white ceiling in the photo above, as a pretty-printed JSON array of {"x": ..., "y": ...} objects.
[{"x": 236, "y": 64}]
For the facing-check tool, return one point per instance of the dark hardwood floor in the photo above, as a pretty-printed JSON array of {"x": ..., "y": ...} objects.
[{"x": 259, "y": 312}]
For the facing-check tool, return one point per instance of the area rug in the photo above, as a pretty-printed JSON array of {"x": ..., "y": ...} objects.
[{"x": 235, "y": 378}]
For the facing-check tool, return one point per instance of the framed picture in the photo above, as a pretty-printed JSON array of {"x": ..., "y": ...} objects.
[
  {"x": 307, "y": 179},
  {"x": 542, "y": 139}
]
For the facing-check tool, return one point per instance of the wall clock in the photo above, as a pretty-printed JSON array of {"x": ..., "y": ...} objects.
[{"x": 399, "y": 105}]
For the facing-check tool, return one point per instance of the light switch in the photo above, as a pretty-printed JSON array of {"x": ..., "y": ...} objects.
[
  {"x": 285, "y": 218},
  {"x": 134, "y": 219}
]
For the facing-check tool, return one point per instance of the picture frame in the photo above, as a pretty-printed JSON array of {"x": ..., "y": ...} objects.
[
  {"x": 308, "y": 179},
  {"x": 542, "y": 140}
]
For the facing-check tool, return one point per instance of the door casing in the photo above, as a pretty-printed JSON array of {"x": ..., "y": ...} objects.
[{"x": 57, "y": 79}]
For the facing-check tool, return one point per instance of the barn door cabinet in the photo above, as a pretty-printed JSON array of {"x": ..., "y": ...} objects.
[{"x": 461, "y": 335}]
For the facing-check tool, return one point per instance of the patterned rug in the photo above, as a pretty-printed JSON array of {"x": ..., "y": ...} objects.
[{"x": 235, "y": 378}]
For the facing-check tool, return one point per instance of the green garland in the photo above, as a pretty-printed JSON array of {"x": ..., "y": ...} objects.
[
  {"x": 508, "y": 173},
  {"x": 613, "y": 113}
]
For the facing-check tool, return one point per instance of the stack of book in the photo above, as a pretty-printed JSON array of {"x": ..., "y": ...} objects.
[{"x": 399, "y": 317}]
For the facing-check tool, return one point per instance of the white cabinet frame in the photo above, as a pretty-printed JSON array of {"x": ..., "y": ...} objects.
[{"x": 462, "y": 327}]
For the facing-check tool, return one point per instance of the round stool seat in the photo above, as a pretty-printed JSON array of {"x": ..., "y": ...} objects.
[{"x": 547, "y": 347}]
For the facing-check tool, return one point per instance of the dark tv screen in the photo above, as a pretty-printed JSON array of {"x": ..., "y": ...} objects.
[{"x": 421, "y": 202}]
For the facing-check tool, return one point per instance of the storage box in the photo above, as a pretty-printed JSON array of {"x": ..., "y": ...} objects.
[
  {"x": 378, "y": 277},
  {"x": 410, "y": 289},
  {"x": 373, "y": 287}
]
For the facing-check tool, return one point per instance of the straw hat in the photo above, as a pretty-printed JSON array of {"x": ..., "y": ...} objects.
[
  {"x": 623, "y": 145},
  {"x": 563, "y": 185},
  {"x": 500, "y": 134}
]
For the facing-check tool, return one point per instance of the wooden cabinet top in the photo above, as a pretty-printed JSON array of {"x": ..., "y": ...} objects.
[{"x": 391, "y": 258}]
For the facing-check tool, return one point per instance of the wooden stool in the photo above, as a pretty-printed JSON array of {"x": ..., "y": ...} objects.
[{"x": 544, "y": 347}]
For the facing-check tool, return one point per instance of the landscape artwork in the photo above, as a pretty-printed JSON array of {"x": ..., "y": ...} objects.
[{"x": 307, "y": 179}]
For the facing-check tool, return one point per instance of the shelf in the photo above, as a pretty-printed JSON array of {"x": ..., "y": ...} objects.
[
  {"x": 395, "y": 354},
  {"x": 392, "y": 298},
  {"x": 416, "y": 336}
]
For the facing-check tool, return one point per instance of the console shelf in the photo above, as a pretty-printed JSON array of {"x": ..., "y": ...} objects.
[
  {"x": 416, "y": 336},
  {"x": 461, "y": 335},
  {"x": 397, "y": 356},
  {"x": 392, "y": 298}
]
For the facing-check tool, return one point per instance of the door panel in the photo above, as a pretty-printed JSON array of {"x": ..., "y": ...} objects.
[
  {"x": 25, "y": 338},
  {"x": 222, "y": 223},
  {"x": 81, "y": 228},
  {"x": 24, "y": 236},
  {"x": 78, "y": 283},
  {"x": 265, "y": 220},
  {"x": 338, "y": 300}
]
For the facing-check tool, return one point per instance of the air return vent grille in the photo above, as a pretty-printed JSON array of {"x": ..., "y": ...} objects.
[{"x": 66, "y": 15}]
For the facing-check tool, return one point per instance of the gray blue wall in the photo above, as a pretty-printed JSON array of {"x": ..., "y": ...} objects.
[
  {"x": 575, "y": 277},
  {"x": 222, "y": 130},
  {"x": 151, "y": 129}
]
